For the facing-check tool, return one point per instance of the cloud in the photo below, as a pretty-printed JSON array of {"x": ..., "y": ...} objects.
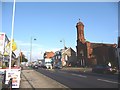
[
  {"x": 26, "y": 46},
  {"x": 37, "y": 49}
]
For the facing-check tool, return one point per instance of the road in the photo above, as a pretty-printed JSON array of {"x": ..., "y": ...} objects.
[{"x": 73, "y": 79}]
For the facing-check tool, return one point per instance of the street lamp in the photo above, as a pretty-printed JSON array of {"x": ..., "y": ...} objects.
[
  {"x": 63, "y": 43},
  {"x": 12, "y": 32},
  {"x": 31, "y": 49},
  {"x": 63, "y": 48}
]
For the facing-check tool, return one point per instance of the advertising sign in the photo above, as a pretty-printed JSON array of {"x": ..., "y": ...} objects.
[
  {"x": 15, "y": 75},
  {"x": 3, "y": 44},
  {"x": 2, "y": 39},
  {"x": 6, "y": 49}
]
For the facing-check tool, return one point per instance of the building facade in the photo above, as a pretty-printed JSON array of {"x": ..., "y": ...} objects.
[
  {"x": 65, "y": 57},
  {"x": 57, "y": 59},
  {"x": 89, "y": 54},
  {"x": 4, "y": 50},
  {"x": 118, "y": 52},
  {"x": 69, "y": 57}
]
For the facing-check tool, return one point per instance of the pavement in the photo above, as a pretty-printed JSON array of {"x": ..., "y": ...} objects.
[
  {"x": 0, "y": 82},
  {"x": 33, "y": 79}
]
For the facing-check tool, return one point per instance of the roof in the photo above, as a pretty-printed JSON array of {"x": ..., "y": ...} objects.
[
  {"x": 68, "y": 49},
  {"x": 94, "y": 45},
  {"x": 48, "y": 54},
  {"x": 80, "y": 23}
]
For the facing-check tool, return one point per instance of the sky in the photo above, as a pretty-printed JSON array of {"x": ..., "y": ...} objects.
[
  {"x": 50, "y": 22},
  {"x": 119, "y": 19}
]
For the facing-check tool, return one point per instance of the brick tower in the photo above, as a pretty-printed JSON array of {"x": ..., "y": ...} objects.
[
  {"x": 81, "y": 45},
  {"x": 80, "y": 32}
]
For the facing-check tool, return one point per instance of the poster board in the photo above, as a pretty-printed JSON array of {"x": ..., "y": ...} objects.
[
  {"x": 15, "y": 75},
  {"x": 2, "y": 41}
]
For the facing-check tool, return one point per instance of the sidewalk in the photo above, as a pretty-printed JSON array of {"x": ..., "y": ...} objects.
[
  {"x": 34, "y": 79},
  {"x": 0, "y": 82}
]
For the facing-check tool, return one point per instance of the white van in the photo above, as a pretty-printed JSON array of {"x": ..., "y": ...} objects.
[{"x": 48, "y": 63}]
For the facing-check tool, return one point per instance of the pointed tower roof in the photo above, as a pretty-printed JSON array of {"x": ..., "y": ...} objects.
[{"x": 80, "y": 23}]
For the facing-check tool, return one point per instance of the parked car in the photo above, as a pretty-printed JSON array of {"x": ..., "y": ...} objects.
[
  {"x": 35, "y": 66},
  {"x": 104, "y": 69},
  {"x": 57, "y": 67}
]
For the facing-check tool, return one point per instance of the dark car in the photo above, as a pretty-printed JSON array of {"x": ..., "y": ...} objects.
[
  {"x": 35, "y": 66},
  {"x": 104, "y": 69}
]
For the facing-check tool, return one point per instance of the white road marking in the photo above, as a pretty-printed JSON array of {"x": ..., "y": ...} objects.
[
  {"x": 79, "y": 75},
  {"x": 108, "y": 81}
]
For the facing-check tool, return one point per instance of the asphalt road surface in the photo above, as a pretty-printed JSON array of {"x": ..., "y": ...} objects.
[{"x": 73, "y": 79}]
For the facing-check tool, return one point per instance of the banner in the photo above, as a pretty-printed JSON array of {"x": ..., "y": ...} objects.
[{"x": 14, "y": 46}]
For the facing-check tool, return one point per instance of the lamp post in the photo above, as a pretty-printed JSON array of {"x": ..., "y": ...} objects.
[
  {"x": 63, "y": 43},
  {"x": 31, "y": 49},
  {"x": 63, "y": 48},
  {"x": 12, "y": 34}
]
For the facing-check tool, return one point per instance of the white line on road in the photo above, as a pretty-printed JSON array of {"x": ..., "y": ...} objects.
[
  {"x": 80, "y": 75},
  {"x": 108, "y": 81}
]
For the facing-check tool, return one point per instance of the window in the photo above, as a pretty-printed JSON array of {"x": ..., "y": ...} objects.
[{"x": 81, "y": 53}]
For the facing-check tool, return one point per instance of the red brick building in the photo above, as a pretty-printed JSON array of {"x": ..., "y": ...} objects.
[{"x": 89, "y": 54}]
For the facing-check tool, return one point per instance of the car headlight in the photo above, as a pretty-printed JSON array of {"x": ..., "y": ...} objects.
[{"x": 110, "y": 69}]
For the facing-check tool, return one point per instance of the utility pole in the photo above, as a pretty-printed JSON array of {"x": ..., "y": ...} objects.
[
  {"x": 63, "y": 48},
  {"x": 31, "y": 49},
  {"x": 63, "y": 43},
  {"x": 12, "y": 34},
  {"x": 20, "y": 56}
]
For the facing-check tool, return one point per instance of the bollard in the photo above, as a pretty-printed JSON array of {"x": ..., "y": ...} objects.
[
  {"x": 4, "y": 86},
  {"x": 10, "y": 84},
  {"x": 7, "y": 86},
  {"x": 4, "y": 77}
]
